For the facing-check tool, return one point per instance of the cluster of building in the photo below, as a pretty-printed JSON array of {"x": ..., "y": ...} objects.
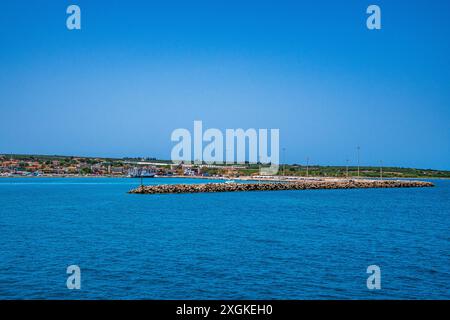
[
  {"x": 24, "y": 166},
  {"x": 79, "y": 166}
]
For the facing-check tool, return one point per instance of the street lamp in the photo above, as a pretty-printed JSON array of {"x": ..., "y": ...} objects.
[
  {"x": 307, "y": 166},
  {"x": 358, "y": 148},
  {"x": 346, "y": 168},
  {"x": 381, "y": 169}
]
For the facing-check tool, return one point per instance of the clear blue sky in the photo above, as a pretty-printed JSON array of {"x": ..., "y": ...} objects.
[{"x": 139, "y": 69}]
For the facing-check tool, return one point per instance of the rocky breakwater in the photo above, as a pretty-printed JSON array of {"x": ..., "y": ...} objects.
[{"x": 273, "y": 186}]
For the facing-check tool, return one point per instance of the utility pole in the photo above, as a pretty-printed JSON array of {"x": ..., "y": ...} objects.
[
  {"x": 381, "y": 169},
  {"x": 358, "y": 148},
  {"x": 346, "y": 168},
  {"x": 284, "y": 161},
  {"x": 307, "y": 166}
]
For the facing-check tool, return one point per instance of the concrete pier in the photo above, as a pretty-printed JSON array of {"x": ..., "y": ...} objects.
[{"x": 279, "y": 185}]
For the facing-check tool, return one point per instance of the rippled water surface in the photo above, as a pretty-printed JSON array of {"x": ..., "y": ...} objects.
[{"x": 310, "y": 244}]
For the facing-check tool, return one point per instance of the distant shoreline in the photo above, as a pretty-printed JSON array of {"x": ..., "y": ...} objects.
[{"x": 243, "y": 178}]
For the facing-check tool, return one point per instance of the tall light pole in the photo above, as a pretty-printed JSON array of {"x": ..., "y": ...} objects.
[
  {"x": 284, "y": 161},
  {"x": 307, "y": 166},
  {"x": 346, "y": 168},
  {"x": 358, "y": 148},
  {"x": 381, "y": 169}
]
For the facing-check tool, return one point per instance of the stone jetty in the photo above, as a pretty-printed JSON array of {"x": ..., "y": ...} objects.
[{"x": 279, "y": 185}]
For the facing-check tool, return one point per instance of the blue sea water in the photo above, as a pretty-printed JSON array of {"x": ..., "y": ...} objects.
[{"x": 310, "y": 244}]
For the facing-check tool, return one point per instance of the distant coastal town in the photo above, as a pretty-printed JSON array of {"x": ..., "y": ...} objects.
[{"x": 13, "y": 165}]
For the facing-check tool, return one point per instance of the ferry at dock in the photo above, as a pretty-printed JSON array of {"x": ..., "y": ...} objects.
[{"x": 141, "y": 173}]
